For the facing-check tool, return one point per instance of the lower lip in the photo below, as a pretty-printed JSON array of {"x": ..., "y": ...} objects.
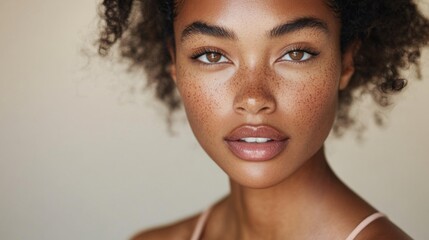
[{"x": 256, "y": 151}]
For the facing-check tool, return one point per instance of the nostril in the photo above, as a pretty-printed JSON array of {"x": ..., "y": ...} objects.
[
  {"x": 264, "y": 109},
  {"x": 259, "y": 107},
  {"x": 240, "y": 109}
]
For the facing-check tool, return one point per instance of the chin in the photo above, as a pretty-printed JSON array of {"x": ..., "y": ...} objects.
[
  {"x": 259, "y": 175},
  {"x": 257, "y": 183},
  {"x": 270, "y": 173}
]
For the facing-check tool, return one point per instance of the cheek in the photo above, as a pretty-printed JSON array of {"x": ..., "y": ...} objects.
[
  {"x": 316, "y": 107},
  {"x": 202, "y": 101},
  {"x": 315, "y": 102}
]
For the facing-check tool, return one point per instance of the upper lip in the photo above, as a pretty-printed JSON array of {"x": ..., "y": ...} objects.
[{"x": 251, "y": 131}]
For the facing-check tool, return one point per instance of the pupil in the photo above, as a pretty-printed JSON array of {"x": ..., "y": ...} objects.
[{"x": 213, "y": 57}]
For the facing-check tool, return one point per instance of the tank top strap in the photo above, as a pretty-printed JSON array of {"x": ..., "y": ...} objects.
[
  {"x": 202, "y": 220},
  {"x": 198, "y": 230},
  {"x": 362, "y": 225}
]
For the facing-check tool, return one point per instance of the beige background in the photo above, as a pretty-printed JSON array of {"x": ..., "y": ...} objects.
[{"x": 84, "y": 155}]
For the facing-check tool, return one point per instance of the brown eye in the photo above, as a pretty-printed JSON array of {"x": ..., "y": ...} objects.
[
  {"x": 296, "y": 55},
  {"x": 213, "y": 57}
]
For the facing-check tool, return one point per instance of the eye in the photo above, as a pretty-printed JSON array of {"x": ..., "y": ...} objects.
[
  {"x": 212, "y": 58},
  {"x": 297, "y": 56}
]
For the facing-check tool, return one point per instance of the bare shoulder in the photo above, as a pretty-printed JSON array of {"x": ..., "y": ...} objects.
[
  {"x": 181, "y": 230},
  {"x": 382, "y": 229}
]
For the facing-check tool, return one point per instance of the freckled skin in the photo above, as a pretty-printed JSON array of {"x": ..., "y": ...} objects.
[
  {"x": 302, "y": 96},
  {"x": 295, "y": 194}
]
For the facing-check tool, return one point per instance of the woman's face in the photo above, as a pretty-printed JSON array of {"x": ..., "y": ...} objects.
[{"x": 259, "y": 81}]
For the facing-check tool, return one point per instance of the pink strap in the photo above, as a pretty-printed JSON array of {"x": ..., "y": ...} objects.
[
  {"x": 363, "y": 225},
  {"x": 198, "y": 230}
]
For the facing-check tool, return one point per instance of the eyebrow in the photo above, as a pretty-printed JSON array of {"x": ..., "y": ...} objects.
[
  {"x": 207, "y": 29},
  {"x": 200, "y": 27},
  {"x": 298, "y": 24}
]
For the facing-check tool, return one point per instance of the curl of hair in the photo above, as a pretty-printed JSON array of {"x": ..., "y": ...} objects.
[
  {"x": 144, "y": 40},
  {"x": 391, "y": 34}
]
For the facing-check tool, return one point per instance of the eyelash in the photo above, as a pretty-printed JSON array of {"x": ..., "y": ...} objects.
[
  {"x": 201, "y": 52},
  {"x": 313, "y": 53}
]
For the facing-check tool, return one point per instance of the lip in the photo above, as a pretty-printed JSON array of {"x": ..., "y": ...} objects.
[{"x": 256, "y": 151}]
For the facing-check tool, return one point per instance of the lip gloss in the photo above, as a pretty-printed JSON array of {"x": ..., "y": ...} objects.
[{"x": 256, "y": 143}]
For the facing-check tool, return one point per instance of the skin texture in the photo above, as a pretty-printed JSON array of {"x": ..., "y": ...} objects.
[
  {"x": 255, "y": 87},
  {"x": 255, "y": 81}
]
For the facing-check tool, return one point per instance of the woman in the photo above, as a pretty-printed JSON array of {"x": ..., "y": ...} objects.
[{"x": 262, "y": 83}]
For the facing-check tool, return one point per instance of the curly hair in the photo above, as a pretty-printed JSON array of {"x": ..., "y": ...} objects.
[{"x": 391, "y": 34}]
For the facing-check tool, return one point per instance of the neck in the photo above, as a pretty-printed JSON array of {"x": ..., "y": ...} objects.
[{"x": 282, "y": 209}]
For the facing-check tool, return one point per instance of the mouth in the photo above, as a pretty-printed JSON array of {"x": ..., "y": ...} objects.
[{"x": 256, "y": 143}]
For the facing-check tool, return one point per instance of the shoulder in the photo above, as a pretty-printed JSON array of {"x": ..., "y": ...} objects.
[
  {"x": 382, "y": 229},
  {"x": 181, "y": 230}
]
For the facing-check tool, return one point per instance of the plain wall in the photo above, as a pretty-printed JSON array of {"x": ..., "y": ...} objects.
[{"x": 84, "y": 154}]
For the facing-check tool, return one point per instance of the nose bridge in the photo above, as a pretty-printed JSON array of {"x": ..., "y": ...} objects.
[{"x": 255, "y": 94}]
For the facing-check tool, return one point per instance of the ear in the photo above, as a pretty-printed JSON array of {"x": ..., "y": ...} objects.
[
  {"x": 348, "y": 65},
  {"x": 172, "y": 52}
]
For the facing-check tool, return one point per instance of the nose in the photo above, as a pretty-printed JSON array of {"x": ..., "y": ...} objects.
[{"x": 254, "y": 97}]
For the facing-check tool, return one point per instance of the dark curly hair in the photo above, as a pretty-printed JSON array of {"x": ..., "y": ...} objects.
[{"x": 391, "y": 34}]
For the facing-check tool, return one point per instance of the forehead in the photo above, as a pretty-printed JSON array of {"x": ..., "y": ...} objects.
[{"x": 242, "y": 13}]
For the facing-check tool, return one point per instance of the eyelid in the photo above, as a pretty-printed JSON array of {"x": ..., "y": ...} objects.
[
  {"x": 306, "y": 56},
  {"x": 207, "y": 50},
  {"x": 312, "y": 52}
]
